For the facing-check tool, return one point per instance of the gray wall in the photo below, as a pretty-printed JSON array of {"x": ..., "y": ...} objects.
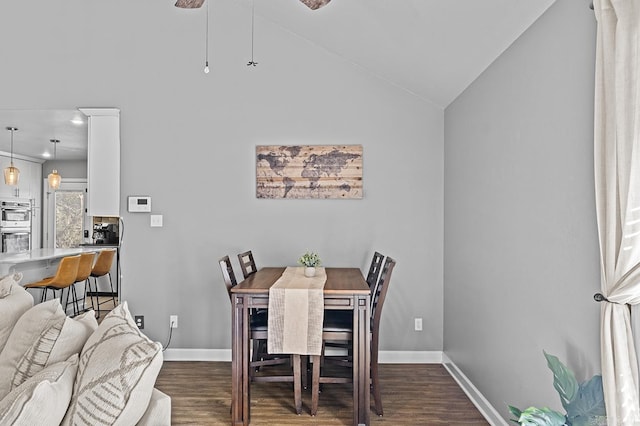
[
  {"x": 76, "y": 169},
  {"x": 521, "y": 250},
  {"x": 188, "y": 141}
]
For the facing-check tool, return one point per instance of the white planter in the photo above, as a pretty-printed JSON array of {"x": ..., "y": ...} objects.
[{"x": 309, "y": 271}]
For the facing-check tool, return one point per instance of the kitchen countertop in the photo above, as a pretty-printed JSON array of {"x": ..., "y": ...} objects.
[{"x": 36, "y": 255}]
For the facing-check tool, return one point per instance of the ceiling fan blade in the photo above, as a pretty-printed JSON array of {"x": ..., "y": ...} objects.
[
  {"x": 189, "y": 4},
  {"x": 315, "y": 4}
]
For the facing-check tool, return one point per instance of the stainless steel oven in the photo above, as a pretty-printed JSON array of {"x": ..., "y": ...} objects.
[
  {"x": 15, "y": 214},
  {"x": 15, "y": 225},
  {"x": 15, "y": 240}
]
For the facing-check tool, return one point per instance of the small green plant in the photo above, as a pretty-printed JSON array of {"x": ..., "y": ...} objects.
[
  {"x": 310, "y": 260},
  {"x": 583, "y": 402}
]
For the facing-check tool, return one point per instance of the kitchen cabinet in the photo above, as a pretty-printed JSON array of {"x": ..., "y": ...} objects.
[
  {"x": 103, "y": 161},
  {"x": 29, "y": 182}
]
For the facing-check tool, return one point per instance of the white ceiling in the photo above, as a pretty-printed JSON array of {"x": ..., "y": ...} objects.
[
  {"x": 431, "y": 48},
  {"x": 36, "y": 128}
]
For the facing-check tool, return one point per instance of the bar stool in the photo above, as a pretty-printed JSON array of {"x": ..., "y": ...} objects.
[
  {"x": 84, "y": 270},
  {"x": 101, "y": 268},
  {"x": 65, "y": 277}
]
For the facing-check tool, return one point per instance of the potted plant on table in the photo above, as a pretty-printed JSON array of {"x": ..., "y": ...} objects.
[{"x": 310, "y": 261}]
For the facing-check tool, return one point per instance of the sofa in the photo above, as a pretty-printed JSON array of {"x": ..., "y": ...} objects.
[{"x": 57, "y": 370}]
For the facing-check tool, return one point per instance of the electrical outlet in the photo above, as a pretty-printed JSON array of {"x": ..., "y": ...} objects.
[
  {"x": 140, "y": 321},
  {"x": 173, "y": 321},
  {"x": 418, "y": 324}
]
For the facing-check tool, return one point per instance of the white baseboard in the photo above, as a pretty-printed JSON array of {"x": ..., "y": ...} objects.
[
  {"x": 386, "y": 357},
  {"x": 197, "y": 355},
  {"x": 482, "y": 404}
]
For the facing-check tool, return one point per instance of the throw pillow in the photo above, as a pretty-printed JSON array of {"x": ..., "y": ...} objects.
[
  {"x": 43, "y": 399},
  {"x": 7, "y": 282},
  {"x": 12, "y": 306},
  {"x": 116, "y": 374},
  {"x": 43, "y": 335}
]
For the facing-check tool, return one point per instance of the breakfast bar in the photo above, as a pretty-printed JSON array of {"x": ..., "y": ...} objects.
[{"x": 38, "y": 263}]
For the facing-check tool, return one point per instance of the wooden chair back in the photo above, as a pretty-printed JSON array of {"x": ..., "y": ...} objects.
[
  {"x": 374, "y": 271},
  {"x": 247, "y": 263},
  {"x": 103, "y": 263},
  {"x": 228, "y": 274},
  {"x": 380, "y": 293}
]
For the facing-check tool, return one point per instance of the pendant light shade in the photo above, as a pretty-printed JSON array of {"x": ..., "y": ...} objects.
[
  {"x": 11, "y": 173},
  {"x": 54, "y": 178}
]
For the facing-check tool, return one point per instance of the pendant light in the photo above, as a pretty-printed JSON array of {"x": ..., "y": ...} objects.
[
  {"x": 54, "y": 178},
  {"x": 206, "y": 45},
  {"x": 252, "y": 62},
  {"x": 11, "y": 173}
]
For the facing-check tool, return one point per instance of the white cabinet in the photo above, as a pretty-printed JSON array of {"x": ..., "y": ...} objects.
[
  {"x": 103, "y": 161},
  {"x": 29, "y": 182}
]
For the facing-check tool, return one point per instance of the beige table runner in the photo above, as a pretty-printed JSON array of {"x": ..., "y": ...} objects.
[{"x": 296, "y": 312}]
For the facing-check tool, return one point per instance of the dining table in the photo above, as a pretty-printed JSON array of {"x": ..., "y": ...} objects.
[{"x": 344, "y": 289}]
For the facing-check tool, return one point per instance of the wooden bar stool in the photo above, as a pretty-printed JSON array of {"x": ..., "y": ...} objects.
[
  {"x": 101, "y": 268},
  {"x": 65, "y": 277}
]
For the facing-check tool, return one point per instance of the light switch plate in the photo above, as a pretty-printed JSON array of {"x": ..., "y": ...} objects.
[{"x": 156, "y": 220}]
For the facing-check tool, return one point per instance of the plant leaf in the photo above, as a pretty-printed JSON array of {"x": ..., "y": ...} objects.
[
  {"x": 564, "y": 381},
  {"x": 516, "y": 412},
  {"x": 588, "y": 404},
  {"x": 534, "y": 416}
]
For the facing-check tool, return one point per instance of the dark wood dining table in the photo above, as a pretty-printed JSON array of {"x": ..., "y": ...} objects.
[{"x": 345, "y": 289}]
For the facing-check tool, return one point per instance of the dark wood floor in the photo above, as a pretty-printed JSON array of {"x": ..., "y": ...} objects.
[{"x": 422, "y": 394}]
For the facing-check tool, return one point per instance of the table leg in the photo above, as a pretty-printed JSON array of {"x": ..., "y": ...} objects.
[
  {"x": 361, "y": 361},
  {"x": 238, "y": 367}
]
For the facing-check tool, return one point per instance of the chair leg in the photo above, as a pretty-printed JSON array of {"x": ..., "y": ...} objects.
[
  {"x": 76, "y": 306},
  {"x": 63, "y": 301},
  {"x": 315, "y": 384},
  {"x": 375, "y": 380},
  {"x": 297, "y": 385},
  {"x": 95, "y": 293},
  {"x": 113, "y": 298}
]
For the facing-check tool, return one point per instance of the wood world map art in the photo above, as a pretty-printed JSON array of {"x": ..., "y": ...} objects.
[{"x": 309, "y": 171}]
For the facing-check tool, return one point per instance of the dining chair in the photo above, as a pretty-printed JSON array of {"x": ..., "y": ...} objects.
[
  {"x": 247, "y": 263},
  {"x": 374, "y": 270},
  {"x": 101, "y": 268},
  {"x": 338, "y": 326},
  {"x": 258, "y": 333},
  {"x": 64, "y": 278},
  {"x": 372, "y": 279}
]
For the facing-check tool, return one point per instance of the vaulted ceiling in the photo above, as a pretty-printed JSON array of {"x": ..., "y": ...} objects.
[{"x": 432, "y": 48}]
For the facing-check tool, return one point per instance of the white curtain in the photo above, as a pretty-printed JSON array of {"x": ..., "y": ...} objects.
[{"x": 617, "y": 172}]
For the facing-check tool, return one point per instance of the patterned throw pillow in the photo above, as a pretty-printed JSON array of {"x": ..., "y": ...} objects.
[
  {"x": 12, "y": 306},
  {"x": 116, "y": 374},
  {"x": 43, "y": 336},
  {"x": 43, "y": 399}
]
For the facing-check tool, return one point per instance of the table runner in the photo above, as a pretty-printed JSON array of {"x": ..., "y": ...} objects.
[{"x": 296, "y": 312}]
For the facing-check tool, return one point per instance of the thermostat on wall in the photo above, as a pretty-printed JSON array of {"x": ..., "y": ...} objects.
[{"x": 139, "y": 204}]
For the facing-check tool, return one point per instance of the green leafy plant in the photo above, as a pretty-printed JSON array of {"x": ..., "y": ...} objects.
[
  {"x": 310, "y": 259},
  {"x": 583, "y": 402}
]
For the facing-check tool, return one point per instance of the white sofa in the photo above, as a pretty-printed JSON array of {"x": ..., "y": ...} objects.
[{"x": 56, "y": 370}]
